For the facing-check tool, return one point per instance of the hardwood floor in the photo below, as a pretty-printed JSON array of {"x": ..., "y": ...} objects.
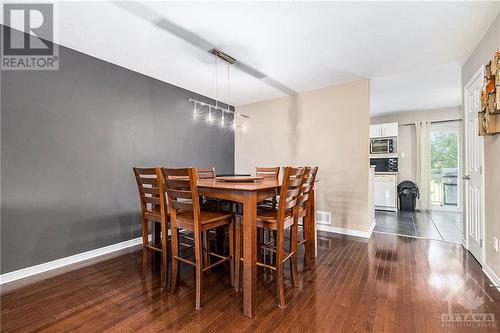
[{"x": 386, "y": 284}]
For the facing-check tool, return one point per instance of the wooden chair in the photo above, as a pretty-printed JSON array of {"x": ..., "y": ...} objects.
[
  {"x": 210, "y": 204},
  {"x": 153, "y": 208},
  {"x": 266, "y": 172},
  {"x": 185, "y": 213},
  {"x": 304, "y": 211},
  {"x": 278, "y": 220},
  {"x": 267, "y": 235},
  {"x": 205, "y": 173}
]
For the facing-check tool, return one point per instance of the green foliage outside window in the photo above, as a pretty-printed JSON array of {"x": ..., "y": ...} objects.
[{"x": 444, "y": 152}]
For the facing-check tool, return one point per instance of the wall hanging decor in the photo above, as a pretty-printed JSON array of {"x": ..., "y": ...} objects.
[{"x": 489, "y": 116}]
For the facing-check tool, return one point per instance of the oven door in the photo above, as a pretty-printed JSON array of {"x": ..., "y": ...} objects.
[{"x": 379, "y": 146}]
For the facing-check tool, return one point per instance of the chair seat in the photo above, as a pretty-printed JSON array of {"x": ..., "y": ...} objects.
[
  {"x": 268, "y": 218},
  {"x": 209, "y": 219}
]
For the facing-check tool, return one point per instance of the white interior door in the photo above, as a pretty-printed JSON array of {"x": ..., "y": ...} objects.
[{"x": 474, "y": 161}]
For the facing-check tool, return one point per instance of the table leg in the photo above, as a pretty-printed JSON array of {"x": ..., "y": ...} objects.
[{"x": 249, "y": 253}]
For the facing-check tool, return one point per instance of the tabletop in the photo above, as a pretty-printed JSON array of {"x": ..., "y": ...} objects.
[{"x": 243, "y": 186}]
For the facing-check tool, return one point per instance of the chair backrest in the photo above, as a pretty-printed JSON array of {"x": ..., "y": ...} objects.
[
  {"x": 151, "y": 192},
  {"x": 182, "y": 191},
  {"x": 206, "y": 173},
  {"x": 271, "y": 173},
  {"x": 289, "y": 193},
  {"x": 308, "y": 179}
]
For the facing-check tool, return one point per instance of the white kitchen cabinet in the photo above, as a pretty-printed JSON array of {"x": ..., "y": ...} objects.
[
  {"x": 384, "y": 130},
  {"x": 375, "y": 131},
  {"x": 390, "y": 129},
  {"x": 385, "y": 192}
]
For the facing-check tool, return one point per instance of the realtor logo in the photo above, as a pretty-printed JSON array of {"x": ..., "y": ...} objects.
[{"x": 27, "y": 35}]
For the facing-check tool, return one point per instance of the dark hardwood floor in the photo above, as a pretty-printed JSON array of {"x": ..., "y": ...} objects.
[{"x": 386, "y": 284}]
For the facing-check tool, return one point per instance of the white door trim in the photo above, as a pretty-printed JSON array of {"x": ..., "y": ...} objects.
[{"x": 479, "y": 73}]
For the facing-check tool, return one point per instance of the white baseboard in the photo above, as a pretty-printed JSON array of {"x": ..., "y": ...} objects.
[
  {"x": 495, "y": 280},
  {"x": 71, "y": 260},
  {"x": 370, "y": 230},
  {"x": 346, "y": 231}
]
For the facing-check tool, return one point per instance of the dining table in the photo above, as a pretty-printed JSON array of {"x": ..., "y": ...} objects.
[{"x": 249, "y": 193}]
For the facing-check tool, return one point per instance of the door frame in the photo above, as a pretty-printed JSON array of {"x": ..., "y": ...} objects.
[{"x": 478, "y": 73}]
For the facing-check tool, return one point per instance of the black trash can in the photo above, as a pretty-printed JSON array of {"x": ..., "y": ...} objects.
[{"x": 408, "y": 194}]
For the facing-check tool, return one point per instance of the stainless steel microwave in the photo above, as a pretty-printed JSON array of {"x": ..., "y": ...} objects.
[{"x": 383, "y": 146}]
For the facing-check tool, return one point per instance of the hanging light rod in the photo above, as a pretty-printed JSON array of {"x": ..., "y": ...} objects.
[
  {"x": 224, "y": 56},
  {"x": 218, "y": 108}
]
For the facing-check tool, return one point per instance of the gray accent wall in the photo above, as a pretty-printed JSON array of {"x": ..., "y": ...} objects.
[{"x": 69, "y": 140}]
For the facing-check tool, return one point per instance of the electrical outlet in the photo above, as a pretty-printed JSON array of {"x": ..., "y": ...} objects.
[{"x": 495, "y": 244}]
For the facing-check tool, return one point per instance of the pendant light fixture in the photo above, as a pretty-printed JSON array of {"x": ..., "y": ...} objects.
[{"x": 214, "y": 109}]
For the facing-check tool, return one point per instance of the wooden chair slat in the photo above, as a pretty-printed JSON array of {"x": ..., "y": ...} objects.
[
  {"x": 150, "y": 190},
  {"x": 179, "y": 183},
  {"x": 294, "y": 182},
  {"x": 206, "y": 173},
  {"x": 290, "y": 204},
  {"x": 268, "y": 172},
  {"x": 181, "y": 205},
  {"x": 293, "y": 192},
  {"x": 178, "y": 172},
  {"x": 152, "y": 200},
  {"x": 148, "y": 181},
  {"x": 145, "y": 171},
  {"x": 183, "y": 194}
]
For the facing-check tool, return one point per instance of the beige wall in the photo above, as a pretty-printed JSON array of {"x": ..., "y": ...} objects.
[
  {"x": 327, "y": 128},
  {"x": 482, "y": 54},
  {"x": 407, "y": 141}
]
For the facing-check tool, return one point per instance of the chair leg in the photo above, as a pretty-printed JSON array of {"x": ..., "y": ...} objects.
[
  {"x": 164, "y": 254},
  {"x": 175, "y": 253},
  {"x": 156, "y": 241},
  {"x": 294, "y": 230},
  {"x": 307, "y": 257},
  {"x": 145, "y": 251},
  {"x": 198, "y": 249},
  {"x": 280, "y": 277},
  {"x": 259, "y": 242},
  {"x": 231, "y": 251},
  {"x": 206, "y": 246},
  {"x": 237, "y": 253}
]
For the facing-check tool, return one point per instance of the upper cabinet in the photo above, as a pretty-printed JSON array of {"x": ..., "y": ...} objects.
[
  {"x": 375, "y": 131},
  {"x": 384, "y": 130}
]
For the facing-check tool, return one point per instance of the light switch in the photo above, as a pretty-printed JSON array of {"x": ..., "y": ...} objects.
[
  {"x": 403, "y": 154},
  {"x": 495, "y": 244}
]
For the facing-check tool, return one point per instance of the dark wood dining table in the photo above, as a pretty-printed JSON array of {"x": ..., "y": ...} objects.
[{"x": 249, "y": 194}]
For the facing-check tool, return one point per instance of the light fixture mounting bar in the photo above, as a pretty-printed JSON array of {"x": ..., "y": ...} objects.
[
  {"x": 218, "y": 108},
  {"x": 224, "y": 56}
]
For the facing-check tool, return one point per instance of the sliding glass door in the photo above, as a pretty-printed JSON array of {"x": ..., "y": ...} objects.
[{"x": 445, "y": 166}]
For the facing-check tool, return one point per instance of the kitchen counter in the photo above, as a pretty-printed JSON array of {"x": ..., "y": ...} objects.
[{"x": 386, "y": 173}]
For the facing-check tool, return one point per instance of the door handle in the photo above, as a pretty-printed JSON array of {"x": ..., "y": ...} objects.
[{"x": 466, "y": 177}]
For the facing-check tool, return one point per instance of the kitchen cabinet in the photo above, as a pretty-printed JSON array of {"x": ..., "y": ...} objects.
[
  {"x": 384, "y": 130},
  {"x": 375, "y": 131}
]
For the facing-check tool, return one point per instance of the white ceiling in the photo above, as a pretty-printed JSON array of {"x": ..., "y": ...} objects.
[{"x": 412, "y": 51}]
